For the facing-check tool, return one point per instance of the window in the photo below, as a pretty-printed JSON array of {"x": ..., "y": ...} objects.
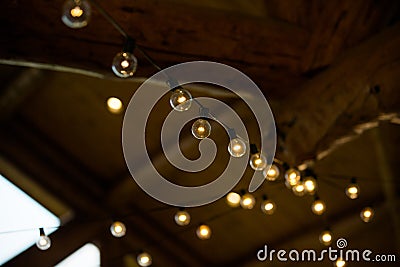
[
  {"x": 88, "y": 256},
  {"x": 21, "y": 218}
]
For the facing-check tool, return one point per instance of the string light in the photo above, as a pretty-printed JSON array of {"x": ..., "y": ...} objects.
[
  {"x": 353, "y": 190},
  {"x": 114, "y": 105},
  {"x": 233, "y": 199},
  {"x": 144, "y": 259},
  {"x": 203, "y": 232},
  {"x": 268, "y": 206},
  {"x": 201, "y": 129},
  {"x": 318, "y": 206},
  {"x": 247, "y": 201},
  {"x": 272, "y": 173},
  {"x": 76, "y": 13},
  {"x": 367, "y": 214},
  {"x": 180, "y": 99},
  {"x": 124, "y": 64},
  {"x": 326, "y": 237},
  {"x": 182, "y": 218},
  {"x": 339, "y": 263},
  {"x": 118, "y": 229},
  {"x": 299, "y": 189},
  {"x": 310, "y": 185},
  {"x": 292, "y": 177},
  {"x": 258, "y": 161},
  {"x": 44, "y": 242}
]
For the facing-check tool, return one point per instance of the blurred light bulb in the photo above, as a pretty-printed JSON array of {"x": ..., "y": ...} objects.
[
  {"x": 233, "y": 199},
  {"x": 124, "y": 64},
  {"x": 318, "y": 207},
  {"x": 114, "y": 105},
  {"x": 180, "y": 99},
  {"x": 299, "y": 189},
  {"x": 182, "y": 218},
  {"x": 201, "y": 129},
  {"x": 353, "y": 191},
  {"x": 292, "y": 177},
  {"x": 203, "y": 232},
  {"x": 310, "y": 185},
  {"x": 118, "y": 229},
  {"x": 367, "y": 214},
  {"x": 237, "y": 147},
  {"x": 76, "y": 13},
  {"x": 247, "y": 201},
  {"x": 268, "y": 206},
  {"x": 258, "y": 162},
  {"x": 325, "y": 238},
  {"x": 272, "y": 173},
  {"x": 44, "y": 242},
  {"x": 144, "y": 259},
  {"x": 339, "y": 263}
]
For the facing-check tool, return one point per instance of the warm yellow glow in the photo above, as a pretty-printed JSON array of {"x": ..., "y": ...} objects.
[
  {"x": 367, "y": 214},
  {"x": 299, "y": 188},
  {"x": 43, "y": 241},
  {"x": 181, "y": 99},
  {"x": 310, "y": 185},
  {"x": 272, "y": 173},
  {"x": 326, "y": 237},
  {"x": 318, "y": 207},
  {"x": 247, "y": 201},
  {"x": 76, "y": 12},
  {"x": 144, "y": 259},
  {"x": 233, "y": 199},
  {"x": 114, "y": 105},
  {"x": 352, "y": 190},
  {"x": 292, "y": 177},
  {"x": 201, "y": 129},
  {"x": 269, "y": 206},
  {"x": 125, "y": 64},
  {"x": 340, "y": 263},
  {"x": 182, "y": 218},
  {"x": 203, "y": 232},
  {"x": 258, "y": 161},
  {"x": 118, "y": 229},
  {"x": 237, "y": 147}
]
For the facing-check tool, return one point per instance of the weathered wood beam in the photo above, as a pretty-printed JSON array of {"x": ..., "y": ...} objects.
[{"x": 344, "y": 96}]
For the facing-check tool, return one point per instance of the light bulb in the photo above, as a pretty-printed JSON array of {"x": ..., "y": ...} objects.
[
  {"x": 258, "y": 162},
  {"x": 292, "y": 177},
  {"x": 44, "y": 242},
  {"x": 310, "y": 185},
  {"x": 114, "y": 105},
  {"x": 180, "y": 99},
  {"x": 325, "y": 238},
  {"x": 299, "y": 189},
  {"x": 237, "y": 147},
  {"x": 233, "y": 199},
  {"x": 272, "y": 173},
  {"x": 76, "y": 13},
  {"x": 182, "y": 218},
  {"x": 124, "y": 64},
  {"x": 118, "y": 229},
  {"x": 144, "y": 259},
  {"x": 203, "y": 232},
  {"x": 339, "y": 263},
  {"x": 201, "y": 129},
  {"x": 247, "y": 201},
  {"x": 367, "y": 214},
  {"x": 353, "y": 191},
  {"x": 268, "y": 206},
  {"x": 318, "y": 207}
]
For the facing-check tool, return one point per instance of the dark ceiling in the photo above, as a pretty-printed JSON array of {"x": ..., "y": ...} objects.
[{"x": 329, "y": 70}]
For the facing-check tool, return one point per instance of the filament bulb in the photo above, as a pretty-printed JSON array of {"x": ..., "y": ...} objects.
[
  {"x": 318, "y": 207},
  {"x": 118, "y": 229},
  {"x": 233, "y": 199},
  {"x": 353, "y": 190},
  {"x": 339, "y": 263},
  {"x": 299, "y": 189},
  {"x": 180, "y": 99},
  {"x": 268, "y": 206},
  {"x": 182, "y": 218},
  {"x": 144, "y": 259},
  {"x": 367, "y": 214},
  {"x": 292, "y": 177},
  {"x": 76, "y": 13},
  {"x": 272, "y": 173},
  {"x": 237, "y": 147},
  {"x": 258, "y": 161},
  {"x": 201, "y": 129},
  {"x": 44, "y": 242},
  {"x": 310, "y": 185},
  {"x": 247, "y": 201},
  {"x": 326, "y": 238},
  {"x": 203, "y": 232},
  {"x": 124, "y": 64}
]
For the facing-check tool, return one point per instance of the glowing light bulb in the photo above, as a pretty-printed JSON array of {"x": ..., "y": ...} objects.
[
  {"x": 124, "y": 64},
  {"x": 144, "y": 259},
  {"x": 118, "y": 229},
  {"x": 367, "y": 214},
  {"x": 201, "y": 129},
  {"x": 76, "y": 13},
  {"x": 318, "y": 207},
  {"x": 180, "y": 99},
  {"x": 339, "y": 263},
  {"x": 299, "y": 189},
  {"x": 310, "y": 185},
  {"x": 44, "y": 241},
  {"x": 258, "y": 162},
  {"x": 268, "y": 206},
  {"x": 203, "y": 232},
  {"x": 272, "y": 173},
  {"x": 237, "y": 147},
  {"x": 114, "y": 105},
  {"x": 247, "y": 201},
  {"x": 233, "y": 199},
  {"x": 326, "y": 238},
  {"x": 292, "y": 177},
  {"x": 182, "y": 218},
  {"x": 353, "y": 190}
]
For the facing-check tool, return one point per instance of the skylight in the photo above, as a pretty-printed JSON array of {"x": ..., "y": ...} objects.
[
  {"x": 88, "y": 256},
  {"x": 21, "y": 218}
]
